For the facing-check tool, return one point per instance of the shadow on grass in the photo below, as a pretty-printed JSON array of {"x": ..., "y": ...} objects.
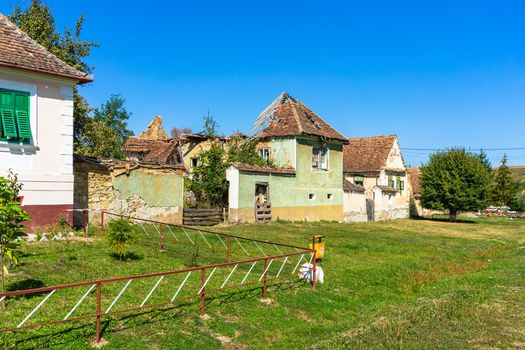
[
  {"x": 442, "y": 219},
  {"x": 28, "y": 283},
  {"x": 144, "y": 317},
  {"x": 127, "y": 257}
]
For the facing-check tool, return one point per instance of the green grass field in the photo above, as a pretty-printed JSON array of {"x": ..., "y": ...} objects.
[{"x": 407, "y": 284}]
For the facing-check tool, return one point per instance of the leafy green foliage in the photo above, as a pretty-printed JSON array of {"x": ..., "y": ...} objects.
[
  {"x": 245, "y": 151},
  {"x": 208, "y": 181},
  {"x": 518, "y": 199},
  {"x": 119, "y": 236},
  {"x": 456, "y": 180},
  {"x": 503, "y": 189},
  {"x": 11, "y": 218},
  {"x": 38, "y": 22},
  {"x": 105, "y": 134},
  {"x": 211, "y": 127}
]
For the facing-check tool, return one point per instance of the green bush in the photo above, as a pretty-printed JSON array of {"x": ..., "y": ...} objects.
[{"x": 119, "y": 236}]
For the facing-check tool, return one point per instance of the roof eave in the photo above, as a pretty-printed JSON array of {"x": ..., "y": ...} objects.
[{"x": 81, "y": 80}]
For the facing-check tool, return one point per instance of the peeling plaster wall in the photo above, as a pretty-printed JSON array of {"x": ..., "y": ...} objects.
[{"x": 155, "y": 194}]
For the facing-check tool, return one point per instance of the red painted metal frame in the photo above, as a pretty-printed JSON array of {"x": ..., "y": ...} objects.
[
  {"x": 204, "y": 230},
  {"x": 202, "y": 293}
]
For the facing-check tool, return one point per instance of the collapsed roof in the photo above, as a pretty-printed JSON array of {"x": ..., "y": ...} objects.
[{"x": 287, "y": 116}]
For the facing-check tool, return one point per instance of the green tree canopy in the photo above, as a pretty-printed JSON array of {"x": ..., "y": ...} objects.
[
  {"x": 503, "y": 190},
  {"x": 38, "y": 22},
  {"x": 105, "y": 134},
  {"x": 455, "y": 180},
  {"x": 208, "y": 181},
  {"x": 211, "y": 127}
]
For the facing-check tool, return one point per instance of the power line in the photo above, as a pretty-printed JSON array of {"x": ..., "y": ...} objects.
[{"x": 470, "y": 149}]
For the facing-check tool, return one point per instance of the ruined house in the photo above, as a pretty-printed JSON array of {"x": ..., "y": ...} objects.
[
  {"x": 305, "y": 182},
  {"x": 376, "y": 163},
  {"x": 147, "y": 190},
  {"x": 149, "y": 184},
  {"x": 153, "y": 145}
]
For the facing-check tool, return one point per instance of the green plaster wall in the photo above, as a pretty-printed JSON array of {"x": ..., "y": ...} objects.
[
  {"x": 283, "y": 152},
  {"x": 156, "y": 188},
  {"x": 288, "y": 191}
]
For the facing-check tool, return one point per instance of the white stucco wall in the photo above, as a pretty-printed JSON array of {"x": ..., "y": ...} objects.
[
  {"x": 45, "y": 166},
  {"x": 354, "y": 206}
]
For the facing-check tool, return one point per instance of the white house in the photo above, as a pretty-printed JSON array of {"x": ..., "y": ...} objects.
[
  {"x": 376, "y": 163},
  {"x": 36, "y": 123}
]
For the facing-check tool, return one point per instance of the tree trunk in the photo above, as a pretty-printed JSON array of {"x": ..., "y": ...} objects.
[{"x": 452, "y": 215}]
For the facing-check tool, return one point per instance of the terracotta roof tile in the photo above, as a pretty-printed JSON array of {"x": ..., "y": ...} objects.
[
  {"x": 414, "y": 174},
  {"x": 18, "y": 50},
  {"x": 367, "y": 154},
  {"x": 167, "y": 154},
  {"x": 293, "y": 118},
  {"x": 263, "y": 169},
  {"x": 136, "y": 144},
  {"x": 348, "y": 186}
]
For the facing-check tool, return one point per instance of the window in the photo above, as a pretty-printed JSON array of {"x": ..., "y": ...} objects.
[
  {"x": 359, "y": 180},
  {"x": 14, "y": 116},
  {"x": 315, "y": 157},
  {"x": 328, "y": 196},
  {"x": 311, "y": 196},
  {"x": 391, "y": 181},
  {"x": 194, "y": 162},
  {"x": 320, "y": 158},
  {"x": 401, "y": 185},
  {"x": 264, "y": 153}
]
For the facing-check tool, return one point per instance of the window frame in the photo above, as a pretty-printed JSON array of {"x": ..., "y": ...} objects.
[{"x": 18, "y": 139}]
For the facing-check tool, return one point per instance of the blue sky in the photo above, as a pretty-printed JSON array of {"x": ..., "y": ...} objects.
[{"x": 437, "y": 74}]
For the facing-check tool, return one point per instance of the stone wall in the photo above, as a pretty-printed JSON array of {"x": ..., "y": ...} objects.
[{"x": 144, "y": 191}]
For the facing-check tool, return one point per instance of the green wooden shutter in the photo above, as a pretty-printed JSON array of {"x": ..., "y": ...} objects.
[
  {"x": 22, "y": 116},
  {"x": 7, "y": 114},
  {"x": 398, "y": 183}
]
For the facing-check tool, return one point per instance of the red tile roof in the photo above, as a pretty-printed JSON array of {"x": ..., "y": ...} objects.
[
  {"x": 18, "y": 50},
  {"x": 367, "y": 154},
  {"x": 263, "y": 169},
  {"x": 167, "y": 154},
  {"x": 414, "y": 174},
  {"x": 348, "y": 186},
  {"x": 293, "y": 118}
]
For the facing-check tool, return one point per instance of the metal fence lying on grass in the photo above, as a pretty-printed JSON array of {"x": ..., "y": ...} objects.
[{"x": 105, "y": 297}]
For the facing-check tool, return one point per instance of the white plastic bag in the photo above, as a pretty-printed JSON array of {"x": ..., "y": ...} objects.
[{"x": 306, "y": 271}]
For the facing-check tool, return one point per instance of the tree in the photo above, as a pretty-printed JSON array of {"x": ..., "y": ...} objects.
[
  {"x": 115, "y": 115},
  {"x": 503, "y": 190},
  {"x": 518, "y": 201},
  {"x": 208, "y": 182},
  {"x": 176, "y": 132},
  {"x": 119, "y": 236},
  {"x": 11, "y": 217},
  {"x": 38, "y": 22},
  {"x": 101, "y": 141},
  {"x": 211, "y": 127},
  {"x": 456, "y": 180},
  {"x": 104, "y": 135},
  {"x": 245, "y": 151}
]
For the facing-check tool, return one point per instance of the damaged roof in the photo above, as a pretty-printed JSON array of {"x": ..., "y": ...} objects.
[
  {"x": 18, "y": 50},
  {"x": 349, "y": 186},
  {"x": 291, "y": 117},
  {"x": 367, "y": 154}
]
